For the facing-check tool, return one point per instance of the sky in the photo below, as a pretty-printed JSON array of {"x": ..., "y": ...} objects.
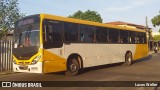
[{"x": 132, "y": 11}]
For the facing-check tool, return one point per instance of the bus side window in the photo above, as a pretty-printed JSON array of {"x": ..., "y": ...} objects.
[
  {"x": 132, "y": 37},
  {"x": 141, "y": 37},
  {"x": 81, "y": 37},
  {"x": 113, "y": 35},
  {"x": 145, "y": 38},
  {"x": 101, "y": 35},
  {"x": 123, "y": 36},
  {"x": 70, "y": 32},
  {"x": 87, "y": 34},
  {"x": 137, "y": 40},
  {"x": 45, "y": 30},
  {"x": 52, "y": 34}
]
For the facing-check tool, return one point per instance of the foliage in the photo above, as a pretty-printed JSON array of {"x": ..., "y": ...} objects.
[
  {"x": 88, "y": 15},
  {"x": 156, "y": 38},
  {"x": 9, "y": 13},
  {"x": 156, "y": 21}
]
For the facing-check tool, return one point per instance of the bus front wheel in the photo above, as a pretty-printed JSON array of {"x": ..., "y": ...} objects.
[
  {"x": 128, "y": 58},
  {"x": 73, "y": 67}
]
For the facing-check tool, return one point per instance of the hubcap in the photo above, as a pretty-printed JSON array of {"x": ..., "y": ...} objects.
[
  {"x": 73, "y": 67},
  {"x": 129, "y": 58}
]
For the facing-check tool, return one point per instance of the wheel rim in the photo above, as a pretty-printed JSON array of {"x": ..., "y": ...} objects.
[
  {"x": 129, "y": 59},
  {"x": 73, "y": 67}
]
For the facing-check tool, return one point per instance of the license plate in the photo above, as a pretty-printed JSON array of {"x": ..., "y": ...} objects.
[{"x": 23, "y": 67}]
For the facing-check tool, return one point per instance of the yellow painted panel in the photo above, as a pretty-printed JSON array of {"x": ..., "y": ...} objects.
[
  {"x": 41, "y": 32},
  {"x": 53, "y": 63},
  {"x": 141, "y": 51}
]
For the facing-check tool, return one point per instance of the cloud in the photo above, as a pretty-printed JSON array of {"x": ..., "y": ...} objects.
[{"x": 129, "y": 4}]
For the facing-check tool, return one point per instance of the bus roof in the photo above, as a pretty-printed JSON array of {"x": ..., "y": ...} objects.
[{"x": 59, "y": 18}]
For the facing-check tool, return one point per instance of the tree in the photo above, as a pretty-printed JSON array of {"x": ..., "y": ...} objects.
[
  {"x": 156, "y": 38},
  {"x": 77, "y": 15},
  {"x": 156, "y": 21},
  {"x": 88, "y": 15},
  {"x": 9, "y": 13}
]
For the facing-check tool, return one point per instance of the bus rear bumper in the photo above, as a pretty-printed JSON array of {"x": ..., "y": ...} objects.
[{"x": 36, "y": 68}]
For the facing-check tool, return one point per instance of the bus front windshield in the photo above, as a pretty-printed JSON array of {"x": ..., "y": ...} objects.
[
  {"x": 27, "y": 36},
  {"x": 27, "y": 41}
]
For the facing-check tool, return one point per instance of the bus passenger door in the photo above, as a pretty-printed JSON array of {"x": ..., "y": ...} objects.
[{"x": 53, "y": 46}]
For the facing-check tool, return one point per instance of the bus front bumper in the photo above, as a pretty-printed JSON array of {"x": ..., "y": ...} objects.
[{"x": 36, "y": 68}]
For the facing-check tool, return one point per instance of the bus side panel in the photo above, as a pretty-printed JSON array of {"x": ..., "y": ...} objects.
[
  {"x": 100, "y": 54},
  {"x": 53, "y": 62},
  {"x": 141, "y": 51},
  {"x": 114, "y": 53}
]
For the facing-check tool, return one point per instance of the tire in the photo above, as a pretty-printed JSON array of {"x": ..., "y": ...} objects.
[
  {"x": 128, "y": 59},
  {"x": 73, "y": 67}
]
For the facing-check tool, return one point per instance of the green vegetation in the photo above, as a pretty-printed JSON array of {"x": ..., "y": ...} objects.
[
  {"x": 156, "y": 21},
  {"x": 88, "y": 15},
  {"x": 9, "y": 13},
  {"x": 156, "y": 38}
]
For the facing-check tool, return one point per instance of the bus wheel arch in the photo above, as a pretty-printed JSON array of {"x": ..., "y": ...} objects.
[
  {"x": 128, "y": 58},
  {"x": 74, "y": 64}
]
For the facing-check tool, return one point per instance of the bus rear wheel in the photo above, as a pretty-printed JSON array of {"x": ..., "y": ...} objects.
[
  {"x": 73, "y": 67},
  {"x": 128, "y": 58}
]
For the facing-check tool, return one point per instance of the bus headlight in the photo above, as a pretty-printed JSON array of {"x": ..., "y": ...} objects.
[{"x": 36, "y": 59}]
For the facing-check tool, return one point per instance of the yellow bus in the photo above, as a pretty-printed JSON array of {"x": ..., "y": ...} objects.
[{"x": 47, "y": 43}]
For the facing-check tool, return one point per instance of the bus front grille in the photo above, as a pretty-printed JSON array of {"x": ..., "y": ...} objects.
[
  {"x": 24, "y": 63},
  {"x": 23, "y": 58}
]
